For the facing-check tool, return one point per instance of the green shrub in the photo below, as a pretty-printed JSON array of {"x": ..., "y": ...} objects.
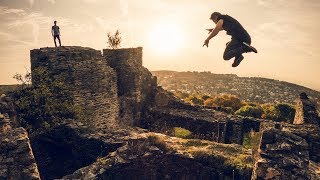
[
  {"x": 228, "y": 100},
  {"x": 252, "y": 111},
  {"x": 205, "y": 97},
  {"x": 247, "y": 140},
  {"x": 251, "y": 140},
  {"x": 194, "y": 100},
  {"x": 48, "y": 101},
  {"x": 269, "y": 112},
  {"x": 181, "y": 132},
  {"x": 286, "y": 113}
]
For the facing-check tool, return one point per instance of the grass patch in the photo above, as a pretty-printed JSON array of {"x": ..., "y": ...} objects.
[
  {"x": 159, "y": 142},
  {"x": 196, "y": 143},
  {"x": 251, "y": 140}
]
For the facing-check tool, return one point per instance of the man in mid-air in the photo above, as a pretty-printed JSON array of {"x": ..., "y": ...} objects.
[
  {"x": 240, "y": 39},
  {"x": 55, "y": 31}
]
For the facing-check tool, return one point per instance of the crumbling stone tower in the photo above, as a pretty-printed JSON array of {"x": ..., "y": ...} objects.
[
  {"x": 306, "y": 112},
  {"x": 92, "y": 84},
  {"x": 136, "y": 85}
]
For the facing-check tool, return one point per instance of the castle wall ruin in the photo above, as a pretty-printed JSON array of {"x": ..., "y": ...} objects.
[{"x": 85, "y": 75}]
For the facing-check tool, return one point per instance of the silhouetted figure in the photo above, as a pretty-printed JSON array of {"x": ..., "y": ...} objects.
[
  {"x": 240, "y": 39},
  {"x": 55, "y": 30}
]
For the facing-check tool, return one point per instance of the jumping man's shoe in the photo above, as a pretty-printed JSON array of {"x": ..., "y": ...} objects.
[
  {"x": 249, "y": 48},
  {"x": 237, "y": 61}
]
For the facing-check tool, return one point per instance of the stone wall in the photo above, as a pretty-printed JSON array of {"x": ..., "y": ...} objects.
[
  {"x": 92, "y": 84},
  {"x": 282, "y": 155},
  {"x": 204, "y": 124},
  {"x": 16, "y": 157},
  {"x": 7, "y": 108},
  {"x": 306, "y": 112},
  {"x": 309, "y": 132},
  {"x": 136, "y": 85}
]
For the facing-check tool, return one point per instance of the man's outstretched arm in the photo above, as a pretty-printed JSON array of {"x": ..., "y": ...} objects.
[{"x": 215, "y": 31}]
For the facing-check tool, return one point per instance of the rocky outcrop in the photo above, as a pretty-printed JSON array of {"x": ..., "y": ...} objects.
[
  {"x": 85, "y": 75},
  {"x": 282, "y": 155},
  {"x": 309, "y": 132},
  {"x": 16, "y": 157},
  {"x": 68, "y": 147},
  {"x": 306, "y": 112},
  {"x": 151, "y": 156},
  {"x": 136, "y": 85}
]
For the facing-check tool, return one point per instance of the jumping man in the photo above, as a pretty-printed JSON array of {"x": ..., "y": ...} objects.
[
  {"x": 55, "y": 31},
  {"x": 240, "y": 39}
]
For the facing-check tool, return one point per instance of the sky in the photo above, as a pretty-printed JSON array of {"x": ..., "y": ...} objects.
[{"x": 171, "y": 33}]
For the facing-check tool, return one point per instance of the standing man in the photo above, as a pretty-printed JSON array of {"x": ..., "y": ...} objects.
[
  {"x": 55, "y": 30},
  {"x": 240, "y": 39}
]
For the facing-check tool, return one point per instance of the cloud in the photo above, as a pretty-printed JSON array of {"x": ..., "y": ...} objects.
[
  {"x": 6, "y": 10},
  {"x": 31, "y": 2}
]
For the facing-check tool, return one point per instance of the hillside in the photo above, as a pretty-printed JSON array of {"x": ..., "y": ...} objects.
[{"x": 252, "y": 89}]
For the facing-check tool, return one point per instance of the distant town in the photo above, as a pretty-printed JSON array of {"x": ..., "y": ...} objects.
[{"x": 250, "y": 89}]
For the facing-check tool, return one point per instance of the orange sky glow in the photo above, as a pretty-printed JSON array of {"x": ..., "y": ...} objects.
[{"x": 171, "y": 32}]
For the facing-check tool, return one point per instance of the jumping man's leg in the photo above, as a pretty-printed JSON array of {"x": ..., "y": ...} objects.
[{"x": 233, "y": 49}]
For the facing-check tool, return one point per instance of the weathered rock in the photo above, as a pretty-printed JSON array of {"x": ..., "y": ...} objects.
[
  {"x": 282, "y": 155},
  {"x": 136, "y": 85},
  {"x": 306, "y": 112},
  {"x": 68, "y": 147},
  {"x": 309, "y": 132},
  {"x": 7, "y": 108},
  {"x": 92, "y": 84},
  {"x": 16, "y": 157},
  {"x": 152, "y": 157}
]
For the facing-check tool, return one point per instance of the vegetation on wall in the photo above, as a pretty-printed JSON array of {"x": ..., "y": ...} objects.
[
  {"x": 280, "y": 112},
  {"x": 49, "y": 100},
  {"x": 114, "y": 40}
]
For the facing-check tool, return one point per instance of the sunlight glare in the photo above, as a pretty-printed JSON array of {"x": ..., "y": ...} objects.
[{"x": 166, "y": 38}]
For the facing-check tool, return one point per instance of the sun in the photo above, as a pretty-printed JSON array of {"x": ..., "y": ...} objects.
[{"x": 166, "y": 38}]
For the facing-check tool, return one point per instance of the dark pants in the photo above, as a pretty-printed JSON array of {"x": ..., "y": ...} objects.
[
  {"x": 54, "y": 38},
  {"x": 235, "y": 47}
]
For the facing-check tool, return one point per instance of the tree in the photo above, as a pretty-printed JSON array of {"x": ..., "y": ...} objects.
[
  {"x": 114, "y": 41},
  {"x": 25, "y": 80},
  {"x": 228, "y": 100},
  {"x": 182, "y": 95},
  {"x": 205, "y": 97},
  {"x": 252, "y": 111},
  {"x": 194, "y": 100},
  {"x": 269, "y": 112},
  {"x": 286, "y": 113},
  {"x": 210, "y": 102}
]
